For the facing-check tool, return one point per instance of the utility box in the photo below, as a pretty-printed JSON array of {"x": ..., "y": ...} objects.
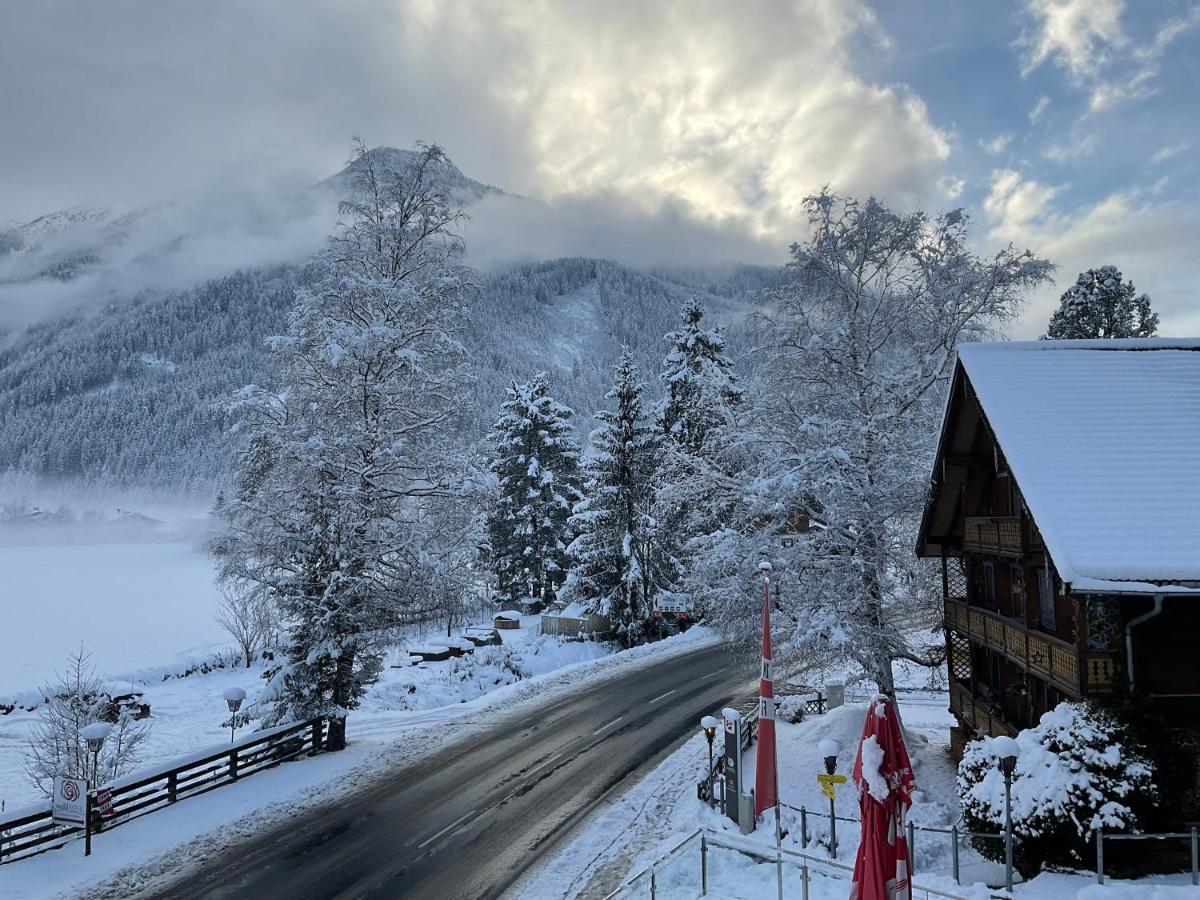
[
  {"x": 835, "y": 695},
  {"x": 732, "y": 775},
  {"x": 745, "y": 813}
]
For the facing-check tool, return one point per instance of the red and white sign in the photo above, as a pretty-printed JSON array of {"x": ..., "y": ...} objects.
[{"x": 104, "y": 802}]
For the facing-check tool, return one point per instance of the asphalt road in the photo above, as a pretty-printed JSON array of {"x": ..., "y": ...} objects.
[{"x": 468, "y": 823}]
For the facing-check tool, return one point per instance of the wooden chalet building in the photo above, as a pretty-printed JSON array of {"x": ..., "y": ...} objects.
[{"x": 1065, "y": 509}]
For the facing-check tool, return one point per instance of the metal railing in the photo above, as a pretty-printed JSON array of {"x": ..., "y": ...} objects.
[
  {"x": 1191, "y": 836},
  {"x": 956, "y": 835},
  {"x": 702, "y": 874}
]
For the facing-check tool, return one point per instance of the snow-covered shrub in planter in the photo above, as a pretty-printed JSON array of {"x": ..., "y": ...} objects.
[{"x": 1078, "y": 770}]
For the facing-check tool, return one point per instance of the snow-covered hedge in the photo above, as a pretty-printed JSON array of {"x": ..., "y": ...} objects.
[{"x": 1078, "y": 770}]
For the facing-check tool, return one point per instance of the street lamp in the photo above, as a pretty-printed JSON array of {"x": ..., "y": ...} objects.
[
  {"x": 233, "y": 698},
  {"x": 829, "y": 749},
  {"x": 1006, "y": 751},
  {"x": 710, "y": 726},
  {"x": 95, "y": 734}
]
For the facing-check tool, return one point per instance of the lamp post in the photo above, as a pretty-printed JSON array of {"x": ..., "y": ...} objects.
[
  {"x": 1006, "y": 751},
  {"x": 233, "y": 698},
  {"x": 710, "y": 726},
  {"x": 94, "y": 734},
  {"x": 829, "y": 749}
]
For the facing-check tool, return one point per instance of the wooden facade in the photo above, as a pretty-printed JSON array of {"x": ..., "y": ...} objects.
[{"x": 1019, "y": 640}]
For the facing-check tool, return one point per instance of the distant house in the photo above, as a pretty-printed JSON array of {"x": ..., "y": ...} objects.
[
  {"x": 570, "y": 620},
  {"x": 1065, "y": 509}
]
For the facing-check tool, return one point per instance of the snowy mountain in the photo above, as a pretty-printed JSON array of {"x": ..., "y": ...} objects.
[{"x": 126, "y": 392}]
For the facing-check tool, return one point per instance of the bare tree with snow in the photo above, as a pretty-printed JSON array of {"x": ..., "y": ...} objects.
[
  {"x": 336, "y": 515},
  {"x": 860, "y": 347},
  {"x": 56, "y": 743},
  {"x": 250, "y": 621}
]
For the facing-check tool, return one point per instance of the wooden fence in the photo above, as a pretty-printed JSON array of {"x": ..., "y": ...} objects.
[{"x": 31, "y": 831}]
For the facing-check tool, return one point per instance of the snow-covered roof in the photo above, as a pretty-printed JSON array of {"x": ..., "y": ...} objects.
[{"x": 1103, "y": 438}]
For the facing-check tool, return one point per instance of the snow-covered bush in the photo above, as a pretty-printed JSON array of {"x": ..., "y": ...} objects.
[{"x": 1078, "y": 770}]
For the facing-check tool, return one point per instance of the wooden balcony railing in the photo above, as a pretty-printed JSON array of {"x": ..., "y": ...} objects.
[
  {"x": 993, "y": 534},
  {"x": 977, "y": 712},
  {"x": 1053, "y": 660}
]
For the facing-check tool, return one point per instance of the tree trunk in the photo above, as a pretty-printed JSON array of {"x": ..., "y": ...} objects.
[{"x": 341, "y": 699}]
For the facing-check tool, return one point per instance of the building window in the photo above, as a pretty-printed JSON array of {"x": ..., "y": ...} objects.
[
  {"x": 1016, "y": 584},
  {"x": 1046, "y": 600},
  {"x": 989, "y": 585}
]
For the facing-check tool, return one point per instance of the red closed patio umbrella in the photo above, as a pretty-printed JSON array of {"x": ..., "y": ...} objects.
[{"x": 884, "y": 778}]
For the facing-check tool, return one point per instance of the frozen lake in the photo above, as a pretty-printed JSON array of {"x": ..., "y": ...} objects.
[{"x": 130, "y": 605}]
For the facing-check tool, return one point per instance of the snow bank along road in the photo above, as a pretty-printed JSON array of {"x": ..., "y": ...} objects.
[{"x": 467, "y": 822}]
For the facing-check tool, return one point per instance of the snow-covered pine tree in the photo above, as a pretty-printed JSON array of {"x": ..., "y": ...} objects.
[
  {"x": 1101, "y": 304},
  {"x": 700, "y": 387},
  {"x": 696, "y": 416},
  {"x": 336, "y": 513},
  {"x": 861, "y": 346},
  {"x": 536, "y": 463},
  {"x": 616, "y": 570}
]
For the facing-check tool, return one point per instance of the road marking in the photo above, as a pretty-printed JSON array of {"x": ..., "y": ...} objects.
[
  {"x": 608, "y": 726},
  {"x": 713, "y": 674},
  {"x": 661, "y": 696},
  {"x": 449, "y": 827}
]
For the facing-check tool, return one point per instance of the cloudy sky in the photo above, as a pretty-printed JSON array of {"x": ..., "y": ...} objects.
[{"x": 676, "y": 129}]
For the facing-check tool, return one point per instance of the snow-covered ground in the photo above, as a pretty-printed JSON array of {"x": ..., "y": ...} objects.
[
  {"x": 129, "y": 857},
  {"x": 130, "y": 606},
  {"x": 188, "y": 712},
  {"x": 638, "y": 826}
]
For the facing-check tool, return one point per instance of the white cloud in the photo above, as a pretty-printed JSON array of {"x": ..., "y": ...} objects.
[
  {"x": 1086, "y": 39},
  {"x": 673, "y": 103},
  {"x": 1039, "y": 108},
  {"x": 996, "y": 145},
  {"x": 1077, "y": 35},
  {"x": 951, "y": 186},
  {"x": 1013, "y": 202},
  {"x": 1167, "y": 152},
  {"x": 1075, "y": 149}
]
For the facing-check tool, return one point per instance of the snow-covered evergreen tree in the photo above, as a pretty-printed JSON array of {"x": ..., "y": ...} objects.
[
  {"x": 536, "y": 464},
  {"x": 1101, "y": 304},
  {"x": 336, "y": 512},
  {"x": 696, "y": 417},
  {"x": 616, "y": 567},
  {"x": 699, "y": 385},
  {"x": 860, "y": 347}
]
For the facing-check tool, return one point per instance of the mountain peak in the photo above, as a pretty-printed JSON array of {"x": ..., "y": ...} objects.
[{"x": 466, "y": 189}]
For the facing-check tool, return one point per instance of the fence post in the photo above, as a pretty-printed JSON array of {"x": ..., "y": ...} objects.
[
  {"x": 172, "y": 787},
  {"x": 954, "y": 851},
  {"x": 316, "y": 737},
  {"x": 653, "y": 884},
  {"x": 233, "y": 764},
  {"x": 1100, "y": 856},
  {"x": 803, "y": 827},
  {"x": 804, "y": 880},
  {"x": 703, "y": 865},
  {"x": 1195, "y": 858},
  {"x": 912, "y": 847}
]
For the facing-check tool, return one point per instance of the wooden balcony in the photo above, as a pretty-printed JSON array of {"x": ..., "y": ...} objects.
[
  {"x": 993, "y": 534},
  {"x": 977, "y": 712},
  {"x": 1052, "y": 660}
]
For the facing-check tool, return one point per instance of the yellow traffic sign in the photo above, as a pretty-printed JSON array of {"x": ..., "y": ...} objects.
[{"x": 828, "y": 782}]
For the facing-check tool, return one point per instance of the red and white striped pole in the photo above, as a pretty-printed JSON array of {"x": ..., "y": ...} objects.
[{"x": 766, "y": 770}]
